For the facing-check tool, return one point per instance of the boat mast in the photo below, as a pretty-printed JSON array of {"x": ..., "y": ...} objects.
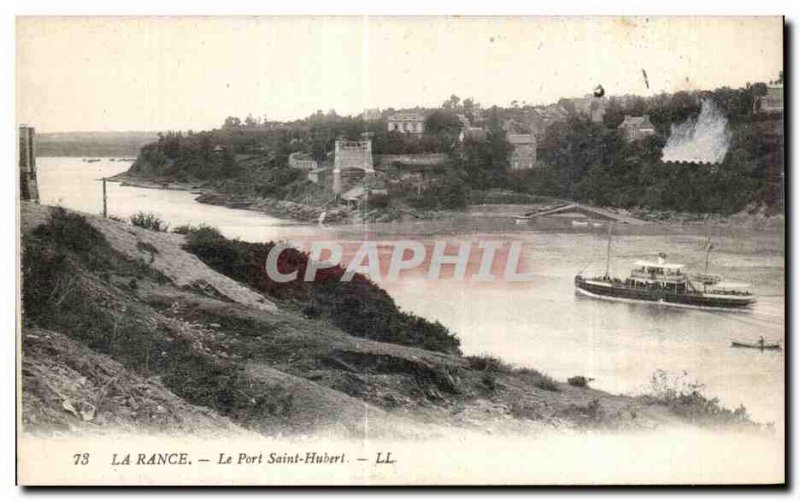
[
  {"x": 708, "y": 251},
  {"x": 608, "y": 249}
]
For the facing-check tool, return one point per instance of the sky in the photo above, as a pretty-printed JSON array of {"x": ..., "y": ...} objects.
[{"x": 162, "y": 73}]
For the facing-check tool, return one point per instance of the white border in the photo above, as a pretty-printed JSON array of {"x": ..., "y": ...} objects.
[{"x": 352, "y": 7}]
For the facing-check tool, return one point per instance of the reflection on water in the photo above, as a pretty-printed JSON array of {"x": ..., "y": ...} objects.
[{"x": 541, "y": 323}]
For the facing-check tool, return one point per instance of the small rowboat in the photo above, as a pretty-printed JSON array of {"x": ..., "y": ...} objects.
[{"x": 757, "y": 346}]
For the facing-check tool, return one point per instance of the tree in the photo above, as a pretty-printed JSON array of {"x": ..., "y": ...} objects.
[
  {"x": 672, "y": 109},
  {"x": 440, "y": 122},
  {"x": 318, "y": 149},
  {"x": 614, "y": 114},
  {"x": 470, "y": 106},
  {"x": 232, "y": 123},
  {"x": 574, "y": 147},
  {"x": 452, "y": 103},
  {"x": 229, "y": 166},
  {"x": 485, "y": 161}
]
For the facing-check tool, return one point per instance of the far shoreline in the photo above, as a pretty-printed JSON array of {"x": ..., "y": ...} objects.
[{"x": 302, "y": 213}]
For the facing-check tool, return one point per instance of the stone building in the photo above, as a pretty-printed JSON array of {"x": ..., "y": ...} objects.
[
  {"x": 302, "y": 161},
  {"x": 372, "y": 114},
  {"x": 772, "y": 101},
  {"x": 409, "y": 123},
  {"x": 351, "y": 156},
  {"x": 636, "y": 128},
  {"x": 590, "y": 106},
  {"x": 523, "y": 155}
]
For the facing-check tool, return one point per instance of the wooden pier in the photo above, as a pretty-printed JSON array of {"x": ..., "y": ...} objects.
[{"x": 584, "y": 211}]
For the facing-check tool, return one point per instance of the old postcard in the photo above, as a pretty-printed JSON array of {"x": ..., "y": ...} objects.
[{"x": 373, "y": 250}]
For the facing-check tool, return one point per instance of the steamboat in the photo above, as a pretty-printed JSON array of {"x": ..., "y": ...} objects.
[{"x": 660, "y": 282}]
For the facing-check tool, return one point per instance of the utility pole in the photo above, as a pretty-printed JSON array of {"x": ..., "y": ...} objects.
[
  {"x": 708, "y": 251},
  {"x": 105, "y": 204},
  {"x": 608, "y": 249}
]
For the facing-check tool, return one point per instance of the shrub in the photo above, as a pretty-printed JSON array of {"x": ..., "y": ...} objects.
[
  {"x": 537, "y": 379},
  {"x": 358, "y": 307},
  {"x": 686, "y": 399},
  {"x": 149, "y": 221},
  {"x": 379, "y": 201},
  {"x": 589, "y": 415},
  {"x": 487, "y": 363},
  {"x": 579, "y": 381},
  {"x": 70, "y": 232},
  {"x": 547, "y": 384}
]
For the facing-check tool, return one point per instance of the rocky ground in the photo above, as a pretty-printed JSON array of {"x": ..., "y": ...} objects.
[{"x": 70, "y": 388}]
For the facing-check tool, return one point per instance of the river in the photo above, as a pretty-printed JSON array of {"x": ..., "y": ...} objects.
[{"x": 539, "y": 323}]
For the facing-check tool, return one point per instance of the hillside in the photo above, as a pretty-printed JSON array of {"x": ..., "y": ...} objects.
[
  {"x": 124, "y": 328},
  {"x": 92, "y": 144},
  {"x": 704, "y": 152}
]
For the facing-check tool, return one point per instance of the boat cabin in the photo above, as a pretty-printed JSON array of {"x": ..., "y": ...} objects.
[{"x": 660, "y": 274}]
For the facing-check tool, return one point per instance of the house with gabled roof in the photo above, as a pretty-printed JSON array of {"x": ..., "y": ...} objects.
[{"x": 636, "y": 128}]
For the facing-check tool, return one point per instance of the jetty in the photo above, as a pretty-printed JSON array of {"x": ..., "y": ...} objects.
[{"x": 575, "y": 210}]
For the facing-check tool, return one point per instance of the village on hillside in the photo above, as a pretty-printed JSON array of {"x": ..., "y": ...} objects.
[{"x": 622, "y": 152}]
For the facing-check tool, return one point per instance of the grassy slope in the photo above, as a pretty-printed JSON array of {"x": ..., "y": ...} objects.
[{"x": 216, "y": 344}]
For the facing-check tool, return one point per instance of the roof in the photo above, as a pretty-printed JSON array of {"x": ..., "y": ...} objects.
[
  {"x": 406, "y": 117},
  {"x": 642, "y": 122},
  {"x": 669, "y": 266},
  {"x": 521, "y": 138},
  {"x": 566, "y": 207}
]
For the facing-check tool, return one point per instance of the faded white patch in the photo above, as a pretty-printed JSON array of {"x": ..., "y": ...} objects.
[{"x": 702, "y": 139}]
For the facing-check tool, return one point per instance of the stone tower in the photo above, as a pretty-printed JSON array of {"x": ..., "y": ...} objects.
[
  {"x": 28, "y": 188},
  {"x": 351, "y": 155}
]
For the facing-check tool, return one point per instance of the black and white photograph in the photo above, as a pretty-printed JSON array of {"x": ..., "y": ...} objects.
[{"x": 429, "y": 250}]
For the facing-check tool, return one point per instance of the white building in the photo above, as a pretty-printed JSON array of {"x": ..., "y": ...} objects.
[{"x": 409, "y": 123}]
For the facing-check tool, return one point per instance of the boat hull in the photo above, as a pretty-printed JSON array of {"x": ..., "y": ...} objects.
[
  {"x": 618, "y": 290},
  {"x": 768, "y": 347}
]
